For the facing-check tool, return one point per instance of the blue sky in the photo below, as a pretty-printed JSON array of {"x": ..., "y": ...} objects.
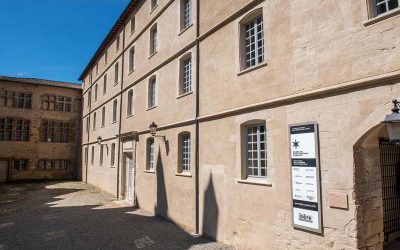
[{"x": 53, "y": 39}]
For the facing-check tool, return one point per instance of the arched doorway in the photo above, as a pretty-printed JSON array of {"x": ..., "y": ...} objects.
[{"x": 377, "y": 190}]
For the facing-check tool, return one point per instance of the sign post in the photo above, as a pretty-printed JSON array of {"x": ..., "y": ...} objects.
[{"x": 305, "y": 177}]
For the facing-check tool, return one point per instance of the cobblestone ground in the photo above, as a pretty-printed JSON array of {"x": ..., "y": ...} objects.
[{"x": 74, "y": 215}]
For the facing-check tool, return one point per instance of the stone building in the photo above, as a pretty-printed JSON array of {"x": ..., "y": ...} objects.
[
  {"x": 224, "y": 81},
  {"x": 39, "y": 129}
]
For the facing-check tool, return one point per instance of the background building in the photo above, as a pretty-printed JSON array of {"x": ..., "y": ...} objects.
[
  {"x": 223, "y": 80},
  {"x": 39, "y": 129}
]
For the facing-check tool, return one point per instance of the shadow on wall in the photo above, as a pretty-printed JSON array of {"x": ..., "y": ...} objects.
[
  {"x": 162, "y": 201},
  {"x": 61, "y": 221},
  {"x": 210, "y": 212}
]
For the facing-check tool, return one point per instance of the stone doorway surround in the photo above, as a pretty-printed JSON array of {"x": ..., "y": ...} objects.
[{"x": 368, "y": 191}]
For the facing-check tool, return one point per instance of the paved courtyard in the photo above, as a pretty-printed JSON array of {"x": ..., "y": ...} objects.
[{"x": 73, "y": 215}]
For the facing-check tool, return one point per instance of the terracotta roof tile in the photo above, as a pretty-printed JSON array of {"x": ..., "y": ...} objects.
[{"x": 41, "y": 82}]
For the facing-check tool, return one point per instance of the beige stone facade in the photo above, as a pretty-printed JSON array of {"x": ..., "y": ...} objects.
[
  {"x": 335, "y": 63},
  {"x": 39, "y": 129}
]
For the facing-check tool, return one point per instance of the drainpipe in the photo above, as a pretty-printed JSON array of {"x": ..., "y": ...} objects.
[
  {"x": 120, "y": 110},
  {"x": 88, "y": 128},
  {"x": 197, "y": 116}
]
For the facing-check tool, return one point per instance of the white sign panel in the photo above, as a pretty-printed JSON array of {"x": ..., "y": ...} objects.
[{"x": 306, "y": 209}]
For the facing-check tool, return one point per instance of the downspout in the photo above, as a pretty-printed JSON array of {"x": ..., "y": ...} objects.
[
  {"x": 120, "y": 110},
  {"x": 88, "y": 129},
  {"x": 197, "y": 116}
]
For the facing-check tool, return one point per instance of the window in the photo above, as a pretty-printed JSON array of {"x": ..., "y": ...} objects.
[
  {"x": 101, "y": 154},
  {"x": 7, "y": 98},
  {"x": 95, "y": 92},
  {"x": 112, "y": 154},
  {"x": 153, "y": 40},
  {"x": 22, "y": 130},
  {"x": 6, "y": 125},
  {"x": 129, "y": 107},
  {"x": 152, "y": 92},
  {"x": 53, "y": 165},
  {"x": 253, "y": 40},
  {"x": 154, "y": 4},
  {"x": 64, "y": 104},
  {"x": 104, "y": 84},
  {"x": 131, "y": 59},
  {"x": 133, "y": 24},
  {"x": 24, "y": 100},
  {"x": 150, "y": 154},
  {"x": 256, "y": 151},
  {"x": 20, "y": 165},
  {"x": 186, "y": 76},
  {"x": 105, "y": 57},
  {"x": 117, "y": 43},
  {"x": 77, "y": 105},
  {"x": 116, "y": 79},
  {"x": 86, "y": 156},
  {"x": 54, "y": 131},
  {"x": 89, "y": 98},
  {"x": 382, "y": 6},
  {"x": 186, "y": 13},
  {"x": 103, "y": 116},
  {"x": 94, "y": 121},
  {"x": 92, "y": 159},
  {"x": 87, "y": 124},
  {"x": 97, "y": 69},
  {"x": 115, "y": 110},
  {"x": 184, "y": 152},
  {"x": 91, "y": 76}
]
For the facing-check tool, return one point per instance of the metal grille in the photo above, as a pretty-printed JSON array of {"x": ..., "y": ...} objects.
[
  {"x": 390, "y": 170},
  {"x": 254, "y": 42},
  {"x": 187, "y": 76},
  {"x": 256, "y": 151},
  {"x": 186, "y": 152},
  {"x": 187, "y": 13}
]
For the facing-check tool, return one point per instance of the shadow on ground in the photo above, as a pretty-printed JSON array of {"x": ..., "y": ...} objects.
[{"x": 72, "y": 215}]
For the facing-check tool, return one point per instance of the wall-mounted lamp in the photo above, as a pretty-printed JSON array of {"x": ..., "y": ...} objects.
[
  {"x": 392, "y": 122},
  {"x": 99, "y": 141},
  {"x": 153, "y": 131}
]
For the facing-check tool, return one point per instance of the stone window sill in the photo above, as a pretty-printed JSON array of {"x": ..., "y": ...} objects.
[
  {"x": 150, "y": 171},
  {"x": 185, "y": 29},
  {"x": 254, "y": 182},
  {"x": 183, "y": 95},
  {"x": 152, "y": 54},
  {"x": 382, "y": 17},
  {"x": 148, "y": 109},
  {"x": 247, "y": 70},
  {"x": 184, "y": 174}
]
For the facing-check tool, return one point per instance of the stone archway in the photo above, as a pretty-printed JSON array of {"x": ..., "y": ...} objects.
[{"x": 369, "y": 154}]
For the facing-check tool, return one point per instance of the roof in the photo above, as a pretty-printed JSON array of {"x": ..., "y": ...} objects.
[
  {"x": 41, "y": 82},
  {"x": 117, "y": 25}
]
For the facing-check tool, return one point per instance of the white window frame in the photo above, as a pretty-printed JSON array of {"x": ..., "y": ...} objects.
[
  {"x": 186, "y": 75},
  {"x": 185, "y": 152},
  {"x": 112, "y": 154},
  {"x": 251, "y": 31},
  {"x": 186, "y": 13},
  {"x": 94, "y": 121},
  {"x": 150, "y": 161},
  {"x": 133, "y": 24},
  {"x": 129, "y": 103},
  {"x": 104, "y": 84},
  {"x": 153, "y": 39},
  {"x": 103, "y": 116},
  {"x": 132, "y": 59},
  {"x": 255, "y": 150},
  {"x": 115, "y": 107},
  {"x": 152, "y": 92},
  {"x": 385, "y": 3},
  {"x": 116, "y": 73}
]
